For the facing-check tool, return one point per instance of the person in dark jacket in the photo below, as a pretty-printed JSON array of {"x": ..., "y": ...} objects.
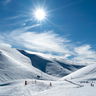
[
  {"x": 50, "y": 84},
  {"x": 25, "y": 82}
]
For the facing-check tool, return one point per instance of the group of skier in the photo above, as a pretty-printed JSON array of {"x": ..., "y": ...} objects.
[
  {"x": 26, "y": 83},
  {"x": 92, "y": 84}
]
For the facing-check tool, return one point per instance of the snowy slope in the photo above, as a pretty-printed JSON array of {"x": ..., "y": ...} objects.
[
  {"x": 14, "y": 65},
  {"x": 42, "y": 88},
  {"x": 88, "y": 72},
  {"x": 50, "y": 66}
]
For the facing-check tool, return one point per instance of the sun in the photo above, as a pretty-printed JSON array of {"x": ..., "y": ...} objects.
[{"x": 40, "y": 14}]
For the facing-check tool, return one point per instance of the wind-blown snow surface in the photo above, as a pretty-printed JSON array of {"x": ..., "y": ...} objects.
[{"x": 15, "y": 68}]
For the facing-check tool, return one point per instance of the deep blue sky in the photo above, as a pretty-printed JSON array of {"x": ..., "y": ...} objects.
[{"x": 75, "y": 19}]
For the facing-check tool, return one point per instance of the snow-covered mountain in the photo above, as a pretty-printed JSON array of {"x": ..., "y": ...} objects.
[
  {"x": 20, "y": 64},
  {"x": 51, "y": 66},
  {"x": 16, "y": 66}
]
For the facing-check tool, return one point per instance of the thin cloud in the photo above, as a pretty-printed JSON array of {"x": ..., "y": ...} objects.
[
  {"x": 4, "y": 44},
  {"x": 85, "y": 51},
  {"x": 42, "y": 41},
  {"x": 45, "y": 41},
  {"x": 85, "y": 54},
  {"x": 50, "y": 42}
]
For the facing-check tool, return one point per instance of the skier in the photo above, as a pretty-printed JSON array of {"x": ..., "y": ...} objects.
[
  {"x": 25, "y": 82},
  {"x": 50, "y": 84},
  {"x": 35, "y": 81}
]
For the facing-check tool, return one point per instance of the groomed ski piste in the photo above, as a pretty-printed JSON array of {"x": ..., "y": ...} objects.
[{"x": 54, "y": 79}]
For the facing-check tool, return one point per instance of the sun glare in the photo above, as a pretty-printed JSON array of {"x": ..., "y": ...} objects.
[{"x": 40, "y": 14}]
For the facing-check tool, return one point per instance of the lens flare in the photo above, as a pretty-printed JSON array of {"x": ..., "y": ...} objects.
[{"x": 40, "y": 14}]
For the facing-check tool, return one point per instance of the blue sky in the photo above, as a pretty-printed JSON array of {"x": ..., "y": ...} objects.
[
  {"x": 70, "y": 26},
  {"x": 74, "y": 18}
]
